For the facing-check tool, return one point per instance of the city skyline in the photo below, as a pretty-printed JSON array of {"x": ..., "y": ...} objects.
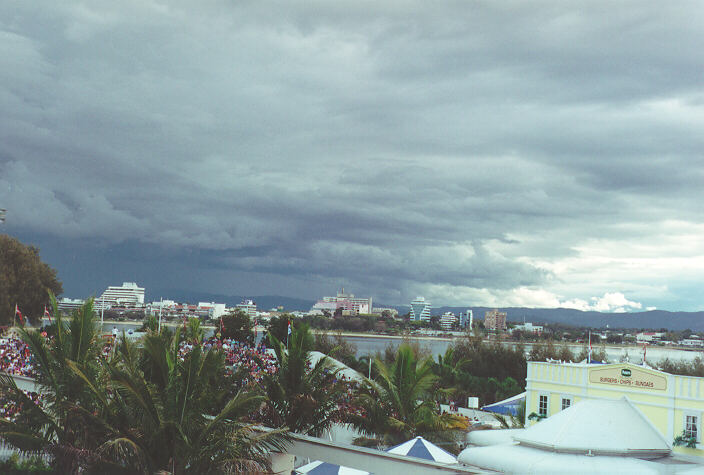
[{"x": 498, "y": 155}]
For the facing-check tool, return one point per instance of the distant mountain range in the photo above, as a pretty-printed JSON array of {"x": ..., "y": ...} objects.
[{"x": 653, "y": 319}]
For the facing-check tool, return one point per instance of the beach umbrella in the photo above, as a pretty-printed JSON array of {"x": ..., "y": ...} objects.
[
  {"x": 324, "y": 468},
  {"x": 421, "y": 448}
]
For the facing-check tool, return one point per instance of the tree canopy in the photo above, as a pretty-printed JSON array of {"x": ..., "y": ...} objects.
[
  {"x": 141, "y": 409},
  {"x": 238, "y": 326},
  {"x": 24, "y": 280}
]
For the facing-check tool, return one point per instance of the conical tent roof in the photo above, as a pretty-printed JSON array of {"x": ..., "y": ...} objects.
[
  {"x": 325, "y": 468},
  {"x": 597, "y": 426},
  {"x": 421, "y": 448}
]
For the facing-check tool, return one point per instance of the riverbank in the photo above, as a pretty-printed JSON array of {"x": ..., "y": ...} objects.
[{"x": 435, "y": 338}]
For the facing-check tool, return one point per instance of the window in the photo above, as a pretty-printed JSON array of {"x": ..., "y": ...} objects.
[
  {"x": 543, "y": 406},
  {"x": 566, "y": 402},
  {"x": 691, "y": 428}
]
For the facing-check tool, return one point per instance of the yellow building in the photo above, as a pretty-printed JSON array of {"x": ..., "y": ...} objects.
[{"x": 673, "y": 404}]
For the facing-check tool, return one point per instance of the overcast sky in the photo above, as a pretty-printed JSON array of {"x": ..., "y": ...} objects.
[{"x": 537, "y": 154}]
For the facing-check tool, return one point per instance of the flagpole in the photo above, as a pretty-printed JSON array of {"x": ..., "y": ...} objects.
[{"x": 589, "y": 357}]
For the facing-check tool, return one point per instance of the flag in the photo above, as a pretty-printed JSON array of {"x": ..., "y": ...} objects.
[
  {"x": 222, "y": 325},
  {"x": 19, "y": 314},
  {"x": 184, "y": 323},
  {"x": 47, "y": 314},
  {"x": 644, "y": 352},
  {"x": 289, "y": 327}
]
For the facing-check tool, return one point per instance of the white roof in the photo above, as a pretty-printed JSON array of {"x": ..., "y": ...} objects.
[
  {"x": 345, "y": 370},
  {"x": 482, "y": 438},
  {"x": 525, "y": 460},
  {"x": 606, "y": 427}
]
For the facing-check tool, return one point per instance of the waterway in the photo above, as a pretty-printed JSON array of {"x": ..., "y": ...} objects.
[{"x": 436, "y": 346}]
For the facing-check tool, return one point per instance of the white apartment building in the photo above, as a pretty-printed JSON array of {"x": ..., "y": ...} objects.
[
  {"x": 217, "y": 310},
  {"x": 693, "y": 340},
  {"x": 529, "y": 327},
  {"x": 420, "y": 309},
  {"x": 67, "y": 306},
  {"x": 248, "y": 307},
  {"x": 127, "y": 295},
  {"x": 447, "y": 320},
  {"x": 649, "y": 336},
  {"x": 349, "y": 304}
]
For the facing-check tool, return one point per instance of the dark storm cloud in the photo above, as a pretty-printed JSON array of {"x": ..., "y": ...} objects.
[{"x": 463, "y": 151}]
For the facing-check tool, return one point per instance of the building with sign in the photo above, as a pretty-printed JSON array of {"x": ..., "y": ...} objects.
[{"x": 673, "y": 404}]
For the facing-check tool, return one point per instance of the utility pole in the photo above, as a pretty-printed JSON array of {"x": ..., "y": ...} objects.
[{"x": 161, "y": 306}]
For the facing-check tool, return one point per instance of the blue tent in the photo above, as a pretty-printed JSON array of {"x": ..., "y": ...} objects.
[
  {"x": 325, "y": 468},
  {"x": 507, "y": 406},
  {"x": 421, "y": 448}
]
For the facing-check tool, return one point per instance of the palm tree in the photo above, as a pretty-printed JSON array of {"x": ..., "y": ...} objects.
[
  {"x": 140, "y": 411},
  {"x": 63, "y": 365},
  {"x": 303, "y": 398},
  {"x": 401, "y": 403},
  {"x": 164, "y": 412},
  {"x": 449, "y": 369}
]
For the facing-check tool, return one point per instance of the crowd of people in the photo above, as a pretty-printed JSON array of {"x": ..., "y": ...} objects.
[
  {"x": 10, "y": 410},
  {"x": 249, "y": 363},
  {"x": 16, "y": 357}
]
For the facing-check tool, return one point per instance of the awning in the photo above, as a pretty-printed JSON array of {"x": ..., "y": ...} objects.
[{"x": 507, "y": 406}]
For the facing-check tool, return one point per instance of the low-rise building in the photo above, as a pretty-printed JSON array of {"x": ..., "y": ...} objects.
[
  {"x": 693, "y": 340},
  {"x": 217, "y": 310},
  {"x": 248, "y": 307},
  {"x": 673, "y": 404},
  {"x": 347, "y": 303},
  {"x": 529, "y": 328},
  {"x": 67, "y": 306},
  {"x": 643, "y": 337},
  {"x": 381, "y": 310}
]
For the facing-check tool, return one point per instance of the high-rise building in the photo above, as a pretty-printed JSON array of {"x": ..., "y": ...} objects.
[
  {"x": 466, "y": 319},
  {"x": 448, "y": 320},
  {"x": 420, "y": 309},
  {"x": 495, "y": 320},
  {"x": 127, "y": 295}
]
